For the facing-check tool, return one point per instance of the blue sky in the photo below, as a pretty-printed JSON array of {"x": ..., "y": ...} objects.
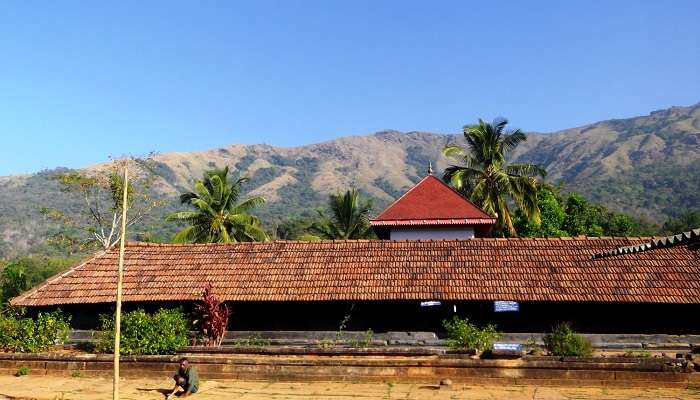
[{"x": 80, "y": 81}]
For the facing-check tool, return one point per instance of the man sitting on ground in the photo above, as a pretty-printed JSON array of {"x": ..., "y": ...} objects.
[{"x": 186, "y": 378}]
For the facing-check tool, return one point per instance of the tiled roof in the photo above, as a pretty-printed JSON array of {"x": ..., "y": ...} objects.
[
  {"x": 432, "y": 202},
  {"x": 478, "y": 269}
]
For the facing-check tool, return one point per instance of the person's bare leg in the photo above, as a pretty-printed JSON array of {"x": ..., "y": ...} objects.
[{"x": 179, "y": 382}]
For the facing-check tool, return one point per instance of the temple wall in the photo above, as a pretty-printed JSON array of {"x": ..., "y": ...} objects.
[
  {"x": 427, "y": 233},
  {"x": 385, "y": 316}
]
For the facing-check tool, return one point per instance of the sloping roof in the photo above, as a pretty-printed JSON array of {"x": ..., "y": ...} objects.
[
  {"x": 559, "y": 269},
  {"x": 432, "y": 202},
  {"x": 685, "y": 238}
]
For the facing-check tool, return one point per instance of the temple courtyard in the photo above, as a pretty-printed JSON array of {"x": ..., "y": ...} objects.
[{"x": 64, "y": 388}]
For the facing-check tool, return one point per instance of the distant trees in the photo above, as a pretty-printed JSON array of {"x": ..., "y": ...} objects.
[
  {"x": 100, "y": 191},
  {"x": 683, "y": 223},
  {"x": 26, "y": 272},
  {"x": 488, "y": 180},
  {"x": 296, "y": 228},
  {"x": 349, "y": 218},
  {"x": 573, "y": 215},
  {"x": 217, "y": 214}
]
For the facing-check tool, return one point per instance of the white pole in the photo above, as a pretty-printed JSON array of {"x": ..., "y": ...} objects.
[{"x": 118, "y": 315}]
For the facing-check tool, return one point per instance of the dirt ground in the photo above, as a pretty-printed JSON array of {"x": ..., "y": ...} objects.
[{"x": 57, "y": 388}]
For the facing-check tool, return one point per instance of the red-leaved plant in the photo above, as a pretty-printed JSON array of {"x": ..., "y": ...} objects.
[{"x": 211, "y": 317}]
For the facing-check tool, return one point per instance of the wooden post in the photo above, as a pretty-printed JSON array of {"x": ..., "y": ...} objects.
[{"x": 118, "y": 314}]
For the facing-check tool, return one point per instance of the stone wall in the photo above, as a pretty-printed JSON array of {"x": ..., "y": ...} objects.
[{"x": 340, "y": 366}]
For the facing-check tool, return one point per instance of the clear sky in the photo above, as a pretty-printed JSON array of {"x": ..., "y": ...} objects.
[{"x": 83, "y": 80}]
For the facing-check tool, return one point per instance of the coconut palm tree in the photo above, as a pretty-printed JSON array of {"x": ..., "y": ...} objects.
[
  {"x": 217, "y": 215},
  {"x": 488, "y": 179},
  {"x": 349, "y": 218}
]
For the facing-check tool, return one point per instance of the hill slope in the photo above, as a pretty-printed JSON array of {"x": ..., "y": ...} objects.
[{"x": 645, "y": 166}]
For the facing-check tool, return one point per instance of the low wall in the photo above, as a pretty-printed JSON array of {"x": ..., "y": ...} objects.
[
  {"x": 613, "y": 342},
  {"x": 333, "y": 365}
]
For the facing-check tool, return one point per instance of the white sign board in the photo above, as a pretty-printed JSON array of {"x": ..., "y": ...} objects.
[
  {"x": 507, "y": 346},
  {"x": 505, "y": 306},
  {"x": 431, "y": 303}
]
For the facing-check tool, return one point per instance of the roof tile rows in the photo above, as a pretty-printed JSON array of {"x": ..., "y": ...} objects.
[
  {"x": 478, "y": 269},
  {"x": 432, "y": 202}
]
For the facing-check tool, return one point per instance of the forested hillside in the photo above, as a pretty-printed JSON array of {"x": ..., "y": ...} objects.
[{"x": 645, "y": 166}]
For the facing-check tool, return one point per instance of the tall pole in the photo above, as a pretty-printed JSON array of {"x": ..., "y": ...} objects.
[{"x": 118, "y": 315}]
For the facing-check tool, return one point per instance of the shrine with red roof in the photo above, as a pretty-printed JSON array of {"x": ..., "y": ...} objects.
[{"x": 431, "y": 210}]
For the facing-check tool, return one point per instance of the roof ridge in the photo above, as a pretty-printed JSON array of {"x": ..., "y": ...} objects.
[
  {"x": 284, "y": 241},
  {"x": 402, "y": 196},
  {"x": 463, "y": 196},
  {"x": 464, "y": 208}
]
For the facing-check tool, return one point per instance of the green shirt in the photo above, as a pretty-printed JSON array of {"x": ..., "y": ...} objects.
[{"x": 191, "y": 379}]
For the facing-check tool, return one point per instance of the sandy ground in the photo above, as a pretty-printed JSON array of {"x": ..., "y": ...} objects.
[{"x": 55, "y": 388}]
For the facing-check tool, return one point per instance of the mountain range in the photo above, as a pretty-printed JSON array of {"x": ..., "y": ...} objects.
[{"x": 646, "y": 166}]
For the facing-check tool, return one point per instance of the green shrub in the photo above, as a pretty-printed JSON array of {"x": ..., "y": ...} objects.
[
  {"x": 51, "y": 329},
  {"x": 256, "y": 340},
  {"x": 22, "y": 371},
  {"x": 365, "y": 340},
  {"x": 462, "y": 334},
  {"x": 27, "y": 335},
  {"x": 563, "y": 341},
  {"x": 162, "y": 332}
]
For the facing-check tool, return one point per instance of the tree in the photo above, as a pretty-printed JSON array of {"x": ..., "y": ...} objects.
[
  {"x": 293, "y": 228},
  {"x": 349, "y": 218},
  {"x": 616, "y": 224},
  {"x": 24, "y": 273},
  {"x": 488, "y": 180},
  {"x": 100, "y": 192},
  {"x": 552, "y": 216},
  {"x": 217, "y": 215},
  {"x": 13, "y": 282},
  {"x": 683, "y": 223},
  {"x": 574, "y": 215},
  {"x": 581, "y": 217}
]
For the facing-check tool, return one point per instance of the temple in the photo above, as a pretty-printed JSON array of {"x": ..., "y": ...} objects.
[
  {"x": 434, "y": 252},
  {"x": 431, "y": 210}
]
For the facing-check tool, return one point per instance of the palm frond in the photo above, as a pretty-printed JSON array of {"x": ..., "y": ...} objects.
[
  {"x": 186, "y": 197},
  {"x": 453, "y": 151},
  {"x": 532, "y": 170},
  {"x": 248, "y": 204},
  {"x": 217, "y": 217},
  {"x": 512, "y": 141},
  {"x": 183, "y": 216}
]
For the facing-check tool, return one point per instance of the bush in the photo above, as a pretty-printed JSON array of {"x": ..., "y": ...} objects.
[
  {"x": 462, "y": 334},
  {"x": 27, "y": 335},
  {"x": 211, "y": 318},
  {"x": 162, "y": 332},
  {"x": 563, "y": 341}
]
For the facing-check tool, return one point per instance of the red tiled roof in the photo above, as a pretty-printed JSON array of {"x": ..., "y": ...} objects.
[
  {"x": 432, "y": 202},
  {"x": 478, "y": 269}
]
